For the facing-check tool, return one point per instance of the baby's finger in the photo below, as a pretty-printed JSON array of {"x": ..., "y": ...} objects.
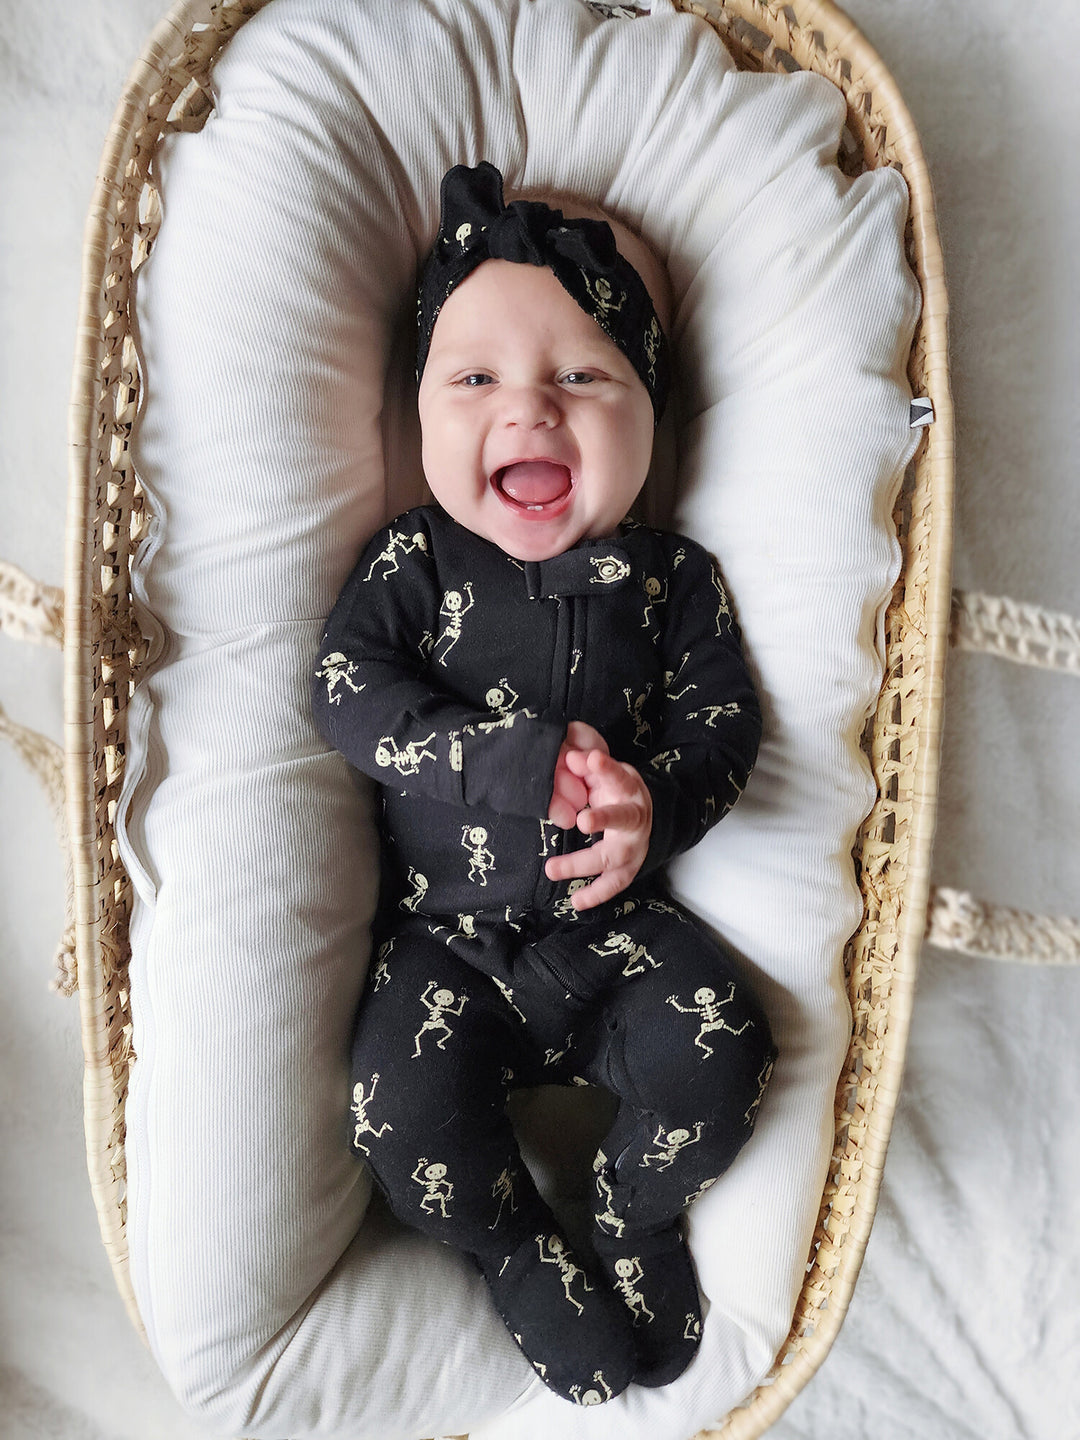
[
  {"x": 561, "y": 812},
  {"x": 627, "y": 816},
  {"x": 579, "y": 762},
  {"x": 575, "y": 865},
  {"x": 605, "y": 887}
]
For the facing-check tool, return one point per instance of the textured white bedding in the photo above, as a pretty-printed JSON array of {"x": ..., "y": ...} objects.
[{"x": 965, "y": 1321}]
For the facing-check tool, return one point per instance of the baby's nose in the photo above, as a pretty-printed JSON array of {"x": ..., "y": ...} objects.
[{"x": 532, "y": 406}]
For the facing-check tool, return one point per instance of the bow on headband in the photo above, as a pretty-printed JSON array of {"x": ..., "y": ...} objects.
[{"x": 475, "y": 225}]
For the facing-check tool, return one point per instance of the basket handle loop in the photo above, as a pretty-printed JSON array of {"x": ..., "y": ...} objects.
[
  {"x": 32, "y": 611},
  {"x": 1028, "y": 635}
]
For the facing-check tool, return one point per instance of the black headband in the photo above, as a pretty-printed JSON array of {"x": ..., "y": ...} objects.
[{"x": 475, "y": 225}]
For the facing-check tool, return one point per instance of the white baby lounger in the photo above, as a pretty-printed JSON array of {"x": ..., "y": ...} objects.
[{"x": 226, "y": 865}]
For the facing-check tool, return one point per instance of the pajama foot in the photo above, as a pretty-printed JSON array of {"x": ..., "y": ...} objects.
[
  {"x": 654, "y": 1275},
  {"x": 574, "y": 1332}
]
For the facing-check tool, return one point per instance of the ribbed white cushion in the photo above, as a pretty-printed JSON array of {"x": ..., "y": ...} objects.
[{"x": 277, "y": 296}]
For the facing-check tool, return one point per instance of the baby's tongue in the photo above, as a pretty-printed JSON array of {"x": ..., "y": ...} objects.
[{"x": 535, "y": 482}]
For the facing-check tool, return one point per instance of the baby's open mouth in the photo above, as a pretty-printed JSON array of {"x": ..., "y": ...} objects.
[{"x": 533, "y": 484}]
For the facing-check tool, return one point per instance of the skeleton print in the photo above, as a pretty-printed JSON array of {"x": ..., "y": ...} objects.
[
  {"x": 481, "y": 860},
  {"x": 466, "y": 929},
  {"x": 665, "y": 760},
  {"x": 553, "y": 1056},
  {"x": 420, "y": 887},
  {"x": 503, "y": 1192},
  {"x": 508, "y": 996},
  {"x": 405, "y": 760},
  {"x": 390, "y": 556},
  {"x": 656, "y": 592},
  {"x": 502, "y": 698},
  {"x": 381, "y": 973},
  {"x": 629, "y": 1274},
  {"x": 669, "y": 1143},
  {"x": 454, "y": 609},
  {"x": 635, "y": 706},
  {"x": 338, "y": 670},
  {"x": 764, "y": 1076},
  {"x": 553, "y": 1252},
  {"x": 671, "y": 679},
  {"x": 713, "y": 712},
  {"x": 593, "y": 1395},
  {"x": 438, "y": 1002},
  {"x": 708, "y": 1008},
  {"x": 618, "y": 943},
  {"x": 361, "y": 1099},
  {"x": 438, "y": 1190},
  {"x": 603, "y": 297},
  {"x": 606, "y": 1218},
  {"x": 723, "y": 613},
  {"x": 565, "y": 907}
]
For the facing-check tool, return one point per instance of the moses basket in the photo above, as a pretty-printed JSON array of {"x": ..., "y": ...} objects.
[{"x": 105, "y": 651}]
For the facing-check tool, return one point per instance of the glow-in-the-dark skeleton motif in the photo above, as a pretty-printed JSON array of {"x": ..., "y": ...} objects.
[
  {"x": 705, "y": 1185},
  {"x": 606, "y": 1219},
  {"x": 337, "y": 670},
  {"x": 713, "y": 712},
  {"x": 360, "y": 1102},
  {"x": 438, "y": 1005},
  {"x": 635, "y": 706},
  {"x": 656, "y": 592},
  {"x": 651, "y": 340},
  {"x": 603, "y": 296},
  {"x": 552, "y": 1056},
  {"x": 661, "y": 907},
  {"x": 670, "y": 1142},
  {"x": 629, "y": 1275},
  {"x": 466, "y": 929},
  {"x": 438, "y": 1190},
  {"x": 592, "y": 1395},
  {"x": 618, "y": 943},
  {"x": 549, "y": 838},
  {"x": 556, "y": 1254},
  {"x": 502, "y": 697},
  {"x": 707, "y": 1007},
  {"x": 390, "y": 556},
  {"x": 565, "y": 908},
  {"x": 419, "y": 883},
  {"x": 481, "y": 860},
  {"x": 665, "y": 760},
  {"x": 671, "y": 679},
  {"x": 382, "y": 968},
  {"x": 452, "y": 612},
  {"x": 764, "y": 1076},
  {"x": 723, "y": 613},
  {"x": 406, "y": 760},
  {"x": 508, "y": 996},
  {"x": 503, "y": 1191},
  {"x": 692, "y": 1328}
]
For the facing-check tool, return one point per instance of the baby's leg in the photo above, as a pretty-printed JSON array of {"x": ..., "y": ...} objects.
[
  {"x": 435, "y": 1052},
  {"x": 688, "y": 1051}
]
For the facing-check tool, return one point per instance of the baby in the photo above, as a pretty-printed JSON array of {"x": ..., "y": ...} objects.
[{"x": 554, "y": 701}]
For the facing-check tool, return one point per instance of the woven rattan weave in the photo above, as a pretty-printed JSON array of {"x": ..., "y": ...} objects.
[{"x": 105, "y": 651}]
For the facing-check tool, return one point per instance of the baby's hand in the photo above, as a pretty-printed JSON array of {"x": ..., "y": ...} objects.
[
  {"x": 570, "y": 794},
  {"x": 619, "y": 805}
]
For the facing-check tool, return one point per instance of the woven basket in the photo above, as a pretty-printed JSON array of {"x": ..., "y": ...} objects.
[{"x": 105, "y": 651}]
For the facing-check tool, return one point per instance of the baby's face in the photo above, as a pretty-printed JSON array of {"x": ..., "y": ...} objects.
[{"x": 537, "y": 431}]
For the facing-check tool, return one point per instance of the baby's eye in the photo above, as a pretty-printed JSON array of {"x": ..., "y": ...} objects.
[
  {"x": 578, "y": 377},
  {"x": 479, "y": 377}
]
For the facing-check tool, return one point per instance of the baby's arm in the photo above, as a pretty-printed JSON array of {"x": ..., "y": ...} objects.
[
  {"x": 619, "y": 810},
  {"x": 711, "y": 724},
  {"x": 374, "y": 699}
]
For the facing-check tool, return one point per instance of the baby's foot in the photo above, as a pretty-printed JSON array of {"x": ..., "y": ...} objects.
[
  {"x": 655, "y": 1277},
  {"x": 574, "y": 1332}
]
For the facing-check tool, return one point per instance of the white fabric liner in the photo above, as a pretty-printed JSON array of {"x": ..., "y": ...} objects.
[{"x": 273, "y": 311}]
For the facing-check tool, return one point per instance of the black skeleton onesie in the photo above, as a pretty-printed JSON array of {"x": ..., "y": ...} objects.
[{"x": 448, "y": 672}]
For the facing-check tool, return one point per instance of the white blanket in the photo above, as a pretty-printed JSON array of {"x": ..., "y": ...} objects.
[{"x": 964, "y": 1322}]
